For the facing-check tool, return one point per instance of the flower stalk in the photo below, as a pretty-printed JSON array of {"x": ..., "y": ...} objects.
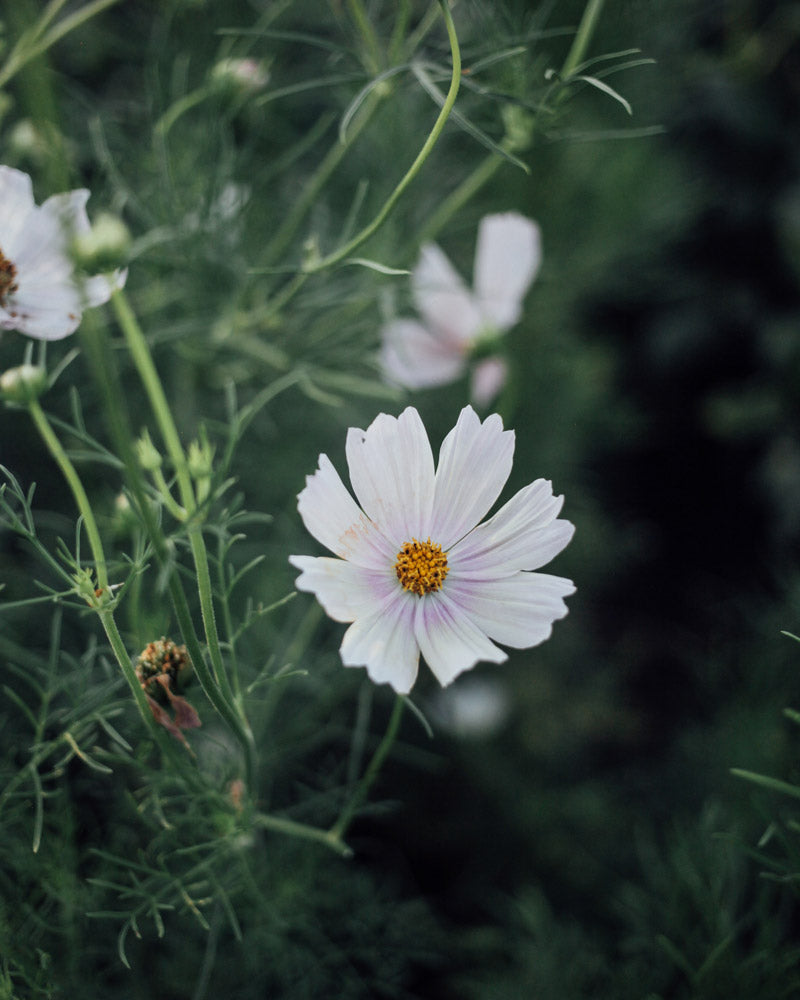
[
  {"x": 361, "y": 791},
  {"x": 215, "y": 682}
]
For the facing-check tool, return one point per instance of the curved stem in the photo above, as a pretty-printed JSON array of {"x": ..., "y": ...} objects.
[
  {"x": 56, "y": 449},
  {"x": 357, "y": 799},
  {"x": 413, "y": 170},
  {"x": 488, "y": 167}
]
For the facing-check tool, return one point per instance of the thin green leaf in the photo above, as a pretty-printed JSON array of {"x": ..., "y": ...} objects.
[
  {"x": 38, "y": 816},
  {"x": 604, "y": 87},
  {"x": 764, "y": 781},
  {"x": 362, "y": 95},
  {"x": 373, "y": 265},
  {"x": 428, "y": 85}
]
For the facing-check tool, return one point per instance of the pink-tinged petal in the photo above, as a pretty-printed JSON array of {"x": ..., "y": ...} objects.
[
  {"x": 412, "y": 357},
  {"x": 517, "y": 611},
  {"x": 488, "y": 378},
  {"x": 391, "y": 469},
  {"x": 474, "y": 464},
  {"x": 507, "y": 257},
  {"x": 384, "y": 643},
  {"x": 523, "y": 535},
  {"x": 449, "y": 641},
  {"x": 345, "y": 590},
  {"x": 16, "y": 203},
  {"x": 445, "y": 304},
  {"x": 332, "y": 516}
]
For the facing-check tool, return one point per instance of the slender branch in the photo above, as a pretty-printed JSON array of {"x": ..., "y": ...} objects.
[
  {"x": 583, "y": 36},
  {"x": 413, "y": 170},
  {"x": 61, "y": 458},
  {"x": 357, "y": 799},
  {"x": 292, "y": 828}
]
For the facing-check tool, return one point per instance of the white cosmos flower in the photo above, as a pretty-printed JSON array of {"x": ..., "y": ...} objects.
[
  {"x": 455, "y": 319},
  {"x": 415, "y": 572},
  {"x": 40, "y": 294}
]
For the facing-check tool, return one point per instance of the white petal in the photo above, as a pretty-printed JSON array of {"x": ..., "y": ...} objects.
[
  {"x": 416, "y": 359},
  {"x": 474, "y": 464},
  {"x": 16, "y": 203},
  {"x": 69, "y": 209},
  {"x": 507, "y": 257},
  {"x": 517, "y": 611},
  {"x": 384, "y": 643},
  {"x": 97, "y": 290},
  {"x": 450, "y": 642},
  {"x": 488, "y": 378},
  {"x": 46, "y": 313},
  {"x": 391, "y": 469},
  {"x": 447, "y": 307},
  {"x": 332, "y": 516},
  {"x": 523, "y": 535},
  {"x": 344, "y": 589}
]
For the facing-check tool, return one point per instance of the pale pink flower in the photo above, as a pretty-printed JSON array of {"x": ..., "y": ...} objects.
[
  {"x": 40, "y": 293},
  {"x": 414, "y": 570},
  {"x": 457, "y": 320}
]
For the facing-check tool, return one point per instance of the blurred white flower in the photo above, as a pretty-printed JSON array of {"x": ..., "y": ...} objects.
[
  {"x": 414, "y": 573},
  {"x": 458, "y": 322},
  {"x": 475, "y": 709},
  {"x": 40, "y": 294}
]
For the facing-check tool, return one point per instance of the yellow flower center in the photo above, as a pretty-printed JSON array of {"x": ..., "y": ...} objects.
[
  {"x": 8, "y": 276},
  {"x": 421, "y": 567}
]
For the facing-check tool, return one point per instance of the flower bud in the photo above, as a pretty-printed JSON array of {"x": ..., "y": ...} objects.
[
  {"x": 27, "y": 141},
  {"x": 22, "y": 384},
  {"x": 200, "y": 460},
  {"x": 242, "y": 75},
  {"x": 105, "y": 246},
  {"x": 147, "y": 453}
]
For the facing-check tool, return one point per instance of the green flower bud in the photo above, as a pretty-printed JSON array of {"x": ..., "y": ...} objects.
[
  {"x": 105, "y": 247},
  {"x": 147, "y": 453},
  {"x": 22, "y": 384}
]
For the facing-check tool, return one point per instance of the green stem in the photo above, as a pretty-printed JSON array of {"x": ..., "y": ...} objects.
[
  {"x": 364, "y": 25},
  {"x": 484, "y": 172},
  {"x": 56, "y": 449},
  {"x": 143, "y": 360},
  {"x": 292, "y": 828},
  {"x": 106, "y": 616},
  {"x": 34, "y": 44},
  {"x": 123, "y": 659},
  {"x": 583, "y": 36},
  {"x": 357, "y": 799},
  {"x": 215, "y": 683},
  {"x": 413, "y": 170}
]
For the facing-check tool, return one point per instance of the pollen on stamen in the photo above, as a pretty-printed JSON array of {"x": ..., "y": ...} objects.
[
  {"x": 8, "y": 278},
  {"x": 421, "y": 567}
]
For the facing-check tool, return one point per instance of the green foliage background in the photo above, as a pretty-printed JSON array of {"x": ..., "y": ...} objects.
[{"x": 595, "y": 845}]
